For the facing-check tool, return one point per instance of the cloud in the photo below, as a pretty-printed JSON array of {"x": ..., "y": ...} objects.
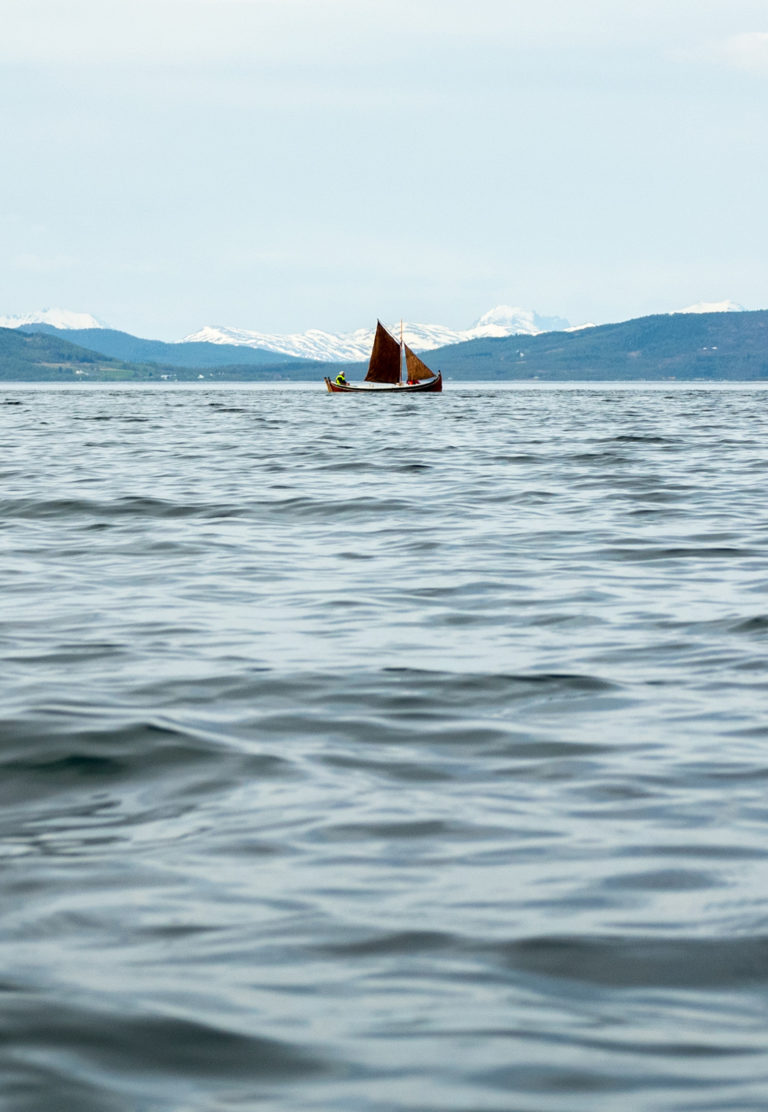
[
  {"x": 745, "y": 51},
  {"x": 171, "y": 33},
  {"x": 748, "y": 50}
]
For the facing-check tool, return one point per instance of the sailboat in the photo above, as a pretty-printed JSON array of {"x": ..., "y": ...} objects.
[{"x": 385, "y": 369}]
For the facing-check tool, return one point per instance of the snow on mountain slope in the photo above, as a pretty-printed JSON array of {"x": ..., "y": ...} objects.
[
  {"x": 57, "y": 318},
  {"x": 511, "y": 320},
  {"x": 713, "y": 307},
  {"x": 314, "y": 344},
  {"x": 504, "y": 320}
]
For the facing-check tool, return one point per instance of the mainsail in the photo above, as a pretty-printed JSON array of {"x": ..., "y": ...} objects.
[
  {"x": 384, "y": 365},
  {"x": 416, "y": 368}
]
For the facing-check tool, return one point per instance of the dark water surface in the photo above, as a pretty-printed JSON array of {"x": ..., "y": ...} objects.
[{"x": 384, "y": 754}]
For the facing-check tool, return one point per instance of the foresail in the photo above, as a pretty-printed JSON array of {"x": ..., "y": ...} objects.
[
  {"x": 416, "y": 368},
  {"x": 384, "y": 365}
]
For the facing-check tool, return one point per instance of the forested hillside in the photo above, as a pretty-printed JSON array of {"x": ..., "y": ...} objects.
[
  {"x": 726, "y": 346},
  {"x": 690, "y": 346},
  {"x": 45, "y": 357},
  {"x": 122, "y": 345}
]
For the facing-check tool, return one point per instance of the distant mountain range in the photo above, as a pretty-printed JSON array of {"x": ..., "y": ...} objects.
[
  {"x": 720, "y": 344},
  {"x": 715, "y": 346},
  {"x": 122, "y": 345},
  {"x": 43, "y": 355},
  {"x": 315, "y": 344},
  {"x": 63, "y": 319},
  {"x": 335, "y": 347},
  {"x": 504, "y": 320}
]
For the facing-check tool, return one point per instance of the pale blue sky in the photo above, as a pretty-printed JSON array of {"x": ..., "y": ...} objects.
[{"x": 287, "y": 164}]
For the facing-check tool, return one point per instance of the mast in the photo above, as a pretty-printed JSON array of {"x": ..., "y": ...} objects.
[{"x": 402, "y": 349}]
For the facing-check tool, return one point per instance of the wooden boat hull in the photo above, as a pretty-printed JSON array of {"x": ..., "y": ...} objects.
[{"x": 432, "y": 386}]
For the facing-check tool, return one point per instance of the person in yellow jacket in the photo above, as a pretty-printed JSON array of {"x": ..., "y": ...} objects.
[{"x": 341, "y": 380}]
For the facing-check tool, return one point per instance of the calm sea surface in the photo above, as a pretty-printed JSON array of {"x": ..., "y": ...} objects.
[{"x": 384, "y": 754}]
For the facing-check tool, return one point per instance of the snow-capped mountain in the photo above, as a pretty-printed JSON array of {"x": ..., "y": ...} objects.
[
  {"x": 511, "y": 320},
  {"x": 57, "y": 318},
  {"x": 504, "y": 320},
  {"x": 713, "y": 307}
]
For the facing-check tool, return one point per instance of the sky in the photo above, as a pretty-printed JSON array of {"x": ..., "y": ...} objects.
[{"x": 290, "y": 164}]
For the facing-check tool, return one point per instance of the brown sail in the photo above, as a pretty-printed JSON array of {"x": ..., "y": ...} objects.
[
  {"x": 416, "y": 368},
  {"x": 384, "y": 365}
]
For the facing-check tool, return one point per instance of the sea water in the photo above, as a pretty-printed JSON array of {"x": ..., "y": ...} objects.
[{"x": 384, "y": 754}]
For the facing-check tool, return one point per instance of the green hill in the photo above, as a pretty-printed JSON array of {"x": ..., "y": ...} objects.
[
  {"x": 45, "y": 357},
  {"x": 719, "y": 346},
  {"x": 122, "y": 345},
  {"x": 25, "y": 357},
  {"x": 686, "y": 346}
]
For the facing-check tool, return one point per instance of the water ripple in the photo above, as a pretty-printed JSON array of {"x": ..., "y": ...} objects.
[{"x": 381, "y": 760}]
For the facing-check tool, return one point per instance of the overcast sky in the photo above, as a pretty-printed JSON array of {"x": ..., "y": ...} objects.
[{"x": 287, "y": 164}]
